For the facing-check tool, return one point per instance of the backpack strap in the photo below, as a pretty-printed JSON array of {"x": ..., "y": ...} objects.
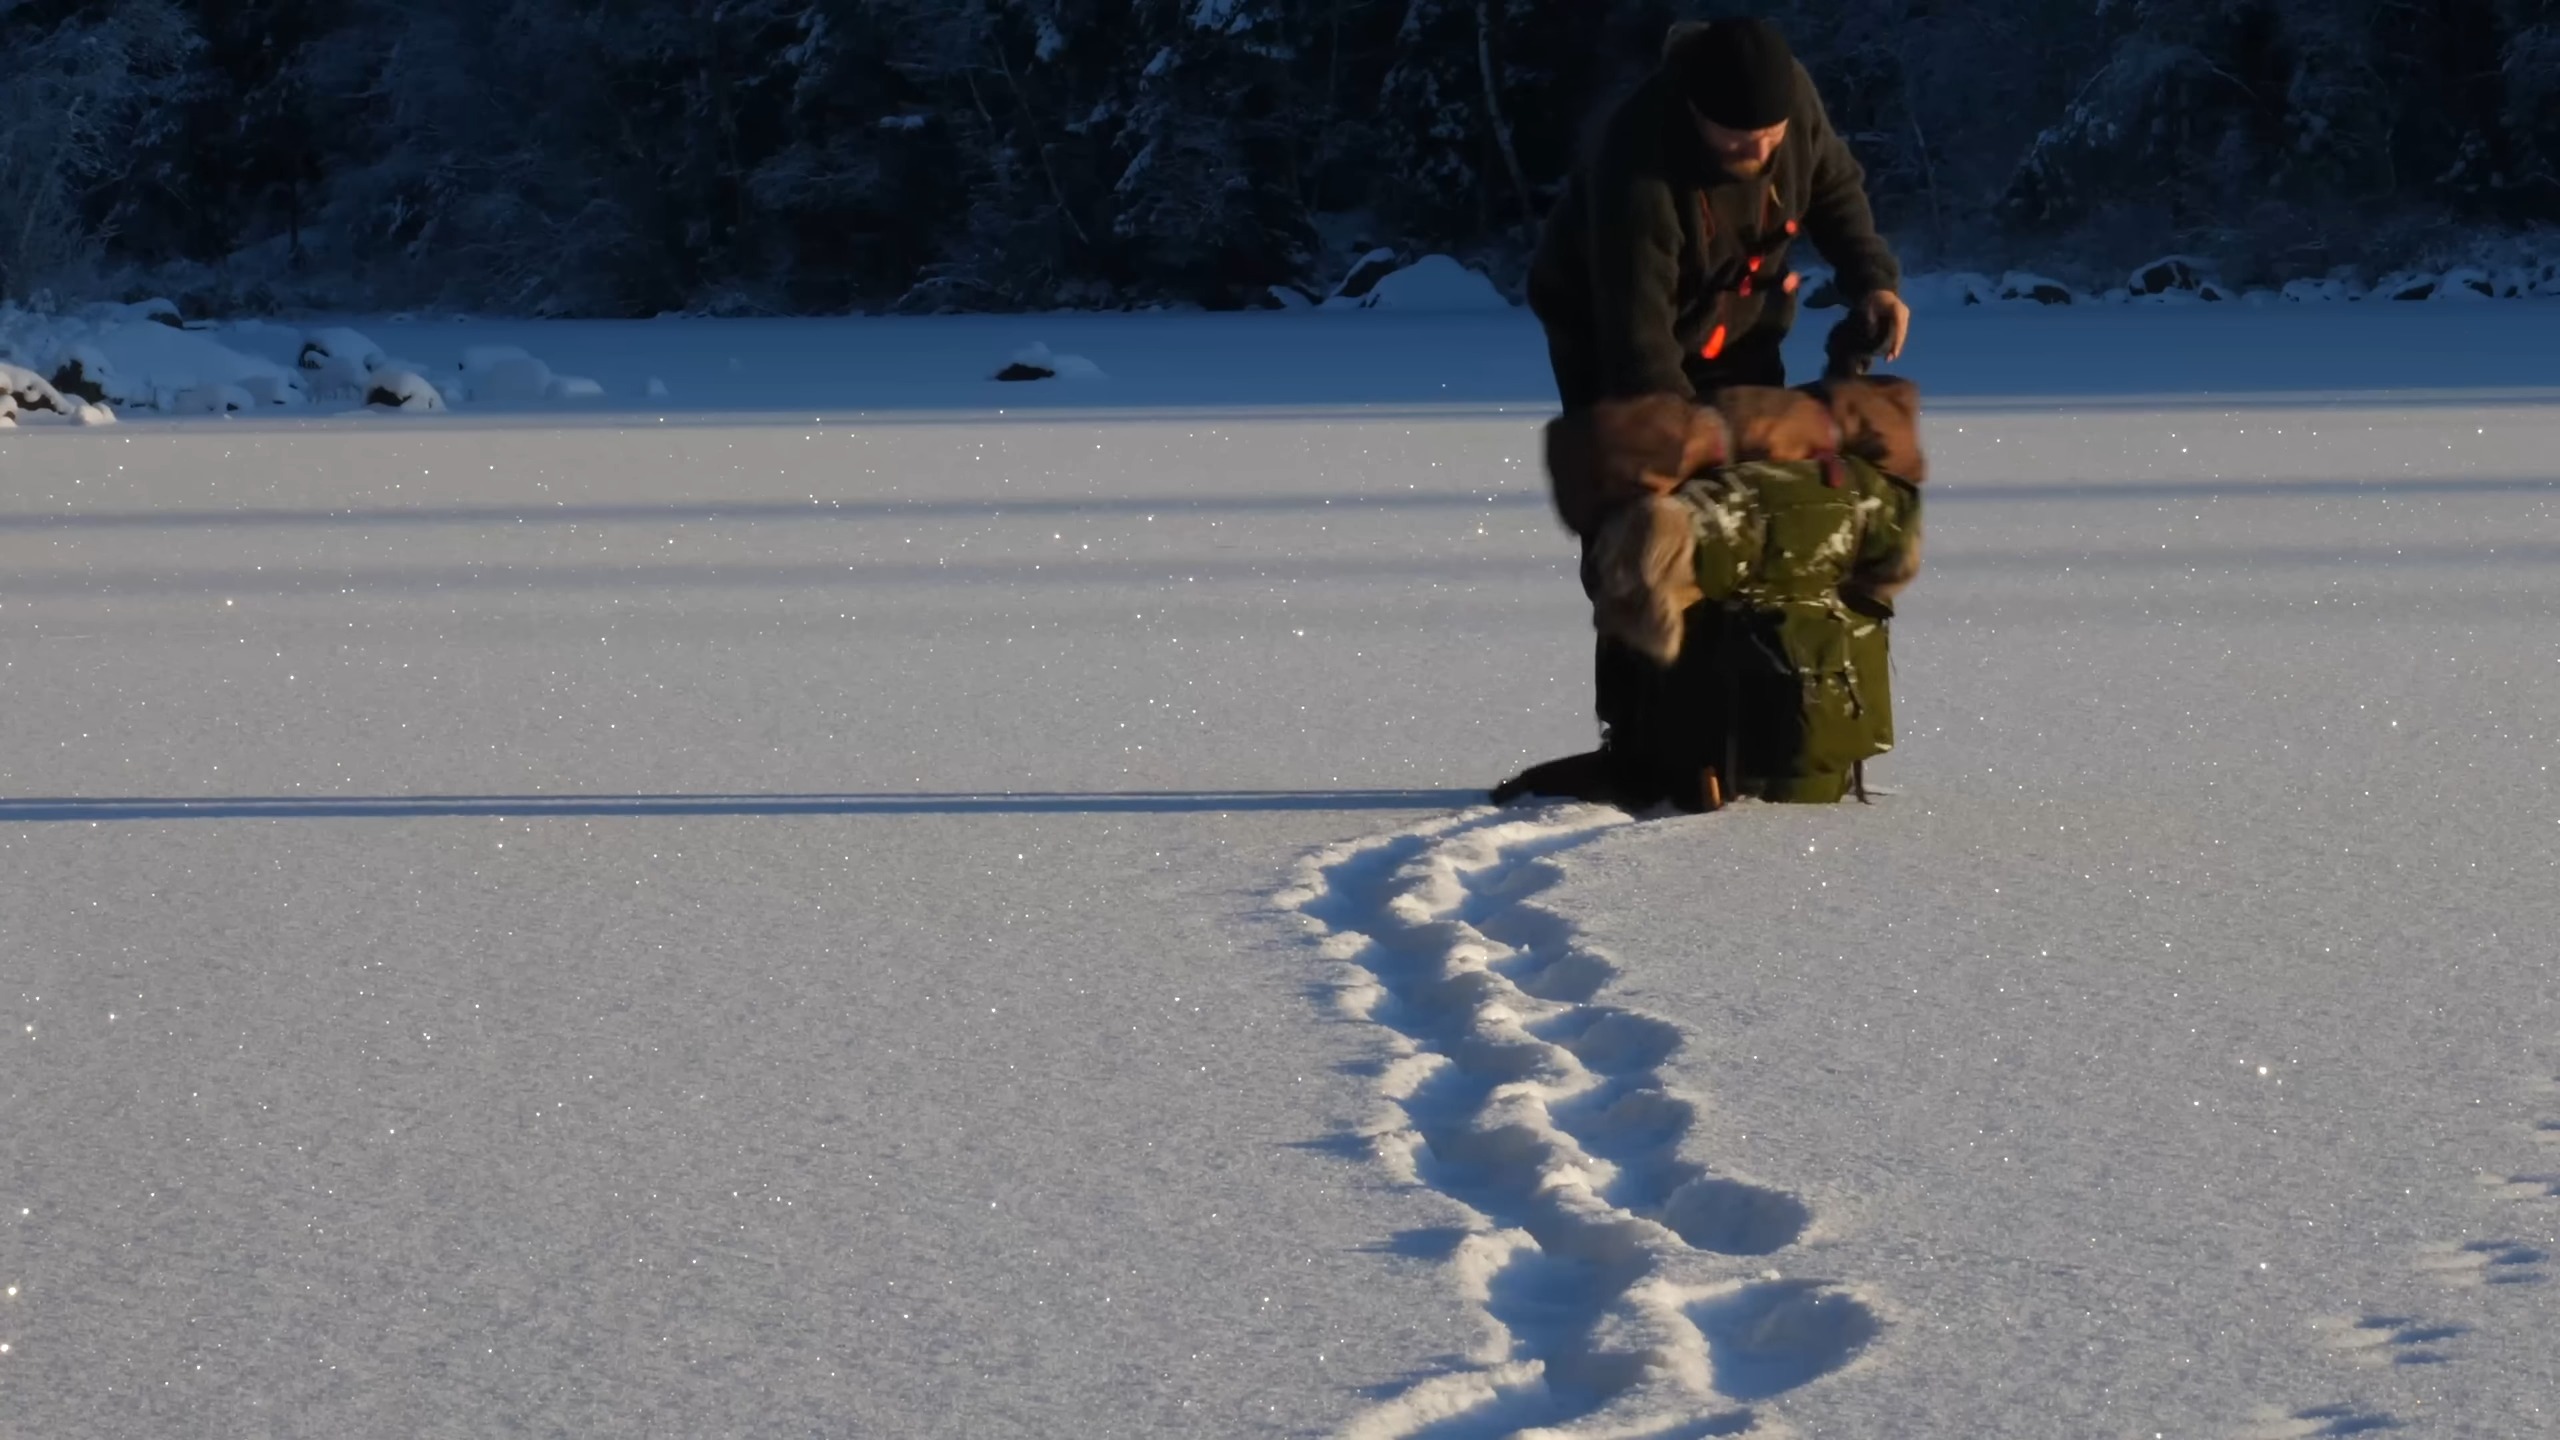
[{"x": 1774, "y": 220}]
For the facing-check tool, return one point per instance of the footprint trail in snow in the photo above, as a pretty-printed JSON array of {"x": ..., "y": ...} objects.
[
  {"x": 2541, "y": 1183},
  {"x": 2483, "y": 1266},
  {"x": 1513, "y": 1090}
]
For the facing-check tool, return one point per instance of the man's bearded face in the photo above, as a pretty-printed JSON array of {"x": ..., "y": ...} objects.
[{"x": 1742, "y": 153}]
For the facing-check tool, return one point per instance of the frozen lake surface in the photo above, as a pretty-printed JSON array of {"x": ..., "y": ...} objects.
[{"x": 813, "y": 907}]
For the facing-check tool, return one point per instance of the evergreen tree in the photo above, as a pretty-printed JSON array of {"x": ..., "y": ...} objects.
[{"x": 629, "y": 156}]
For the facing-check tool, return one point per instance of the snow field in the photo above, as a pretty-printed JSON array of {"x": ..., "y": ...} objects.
[{"x": 955, "y": 923}]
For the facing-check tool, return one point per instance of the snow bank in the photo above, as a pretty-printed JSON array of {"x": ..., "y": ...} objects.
[
  {"x": 163, "y": 312},
  {"x": 26, "y": 389},
  {"x": 339, "y": 360},
  {"x": 504, "y": 374},
  {"x": 2336, "y": 287},
  {"x": 1434, "y": 282},
  {"x": 134, "y": 356},
  {"x": 2190, "y": 280},
  {"x": 510, "y": 375},
  {"x": 142, "y": 357},
  {"x": 2042, "y": 289},
  {"x": 1035, "y": 361},
  {"x": 1364, "y": 275},
  {"x": 399, "y": 389}
]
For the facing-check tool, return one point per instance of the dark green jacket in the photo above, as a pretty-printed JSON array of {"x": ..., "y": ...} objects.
[{"x": 1631, "y": 275}]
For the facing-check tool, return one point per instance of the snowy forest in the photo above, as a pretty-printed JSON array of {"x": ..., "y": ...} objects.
[{"x": 635, "y": 157}]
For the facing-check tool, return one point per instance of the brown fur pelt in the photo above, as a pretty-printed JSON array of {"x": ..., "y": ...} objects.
[
  {"x": 1644, "y": 561},
  {"x": 1880, "y": 423},
  {"x": 1771, "y": 423},
  {"x": 1612, "y": 468},
  {"x": 1879, "y": 420},
  {"x": 1618, "y": 451}
]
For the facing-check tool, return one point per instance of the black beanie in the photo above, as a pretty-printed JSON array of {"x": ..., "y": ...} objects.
[{"x": 1737, "y": 73}]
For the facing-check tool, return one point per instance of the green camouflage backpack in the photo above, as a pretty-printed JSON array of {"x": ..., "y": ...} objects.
[{"x": 1785, "y": 687}]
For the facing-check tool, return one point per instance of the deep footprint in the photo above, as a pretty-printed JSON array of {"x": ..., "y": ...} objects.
[
  {"x": 1770, "y": 1338},
  {"x": 2533, "y": 1187},
  {"x": 1613, "y": 1042},
  {"x": 2317, "y": 1422},
  {"x": 2485, "y": 1262},
  {"x": 2393, "y": 1340},
  {"x": 1729, "y": 1217}
]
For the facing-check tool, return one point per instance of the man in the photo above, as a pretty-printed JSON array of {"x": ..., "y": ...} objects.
[
  {"x": 1663, "y": 270},
  {"x": 1663, "y": 267}
]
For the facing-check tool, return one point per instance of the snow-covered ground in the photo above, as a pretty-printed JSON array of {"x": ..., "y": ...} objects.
[{"x": 803, "y": 905}]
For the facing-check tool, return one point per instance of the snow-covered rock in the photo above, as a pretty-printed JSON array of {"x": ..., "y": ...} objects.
[
  {"x": 2169, "y": 274},
  {"x": 150, "y": 360},
  {"x": 272, "y": 389},
  {"x": 2406, "y": 285},
  {"x": 87, "y": 374},
  {"x": 104, "y": 358},
  {"x": 339, "y": 361},
  {"x": 1036, "y": 362},
  {"x": 657, "y": 389},
  {"x": 89, "y": 414},
  {"x": 28, "y": 390},
  {"x": 2040, "y": 289},
  {"x": 2465, "y": 282},
  {"x": 1364, "y": 276},
  {"x": 2177, "y": 280},
  {"x": 1433, "y": 283},
  {"x": 579, "y": 387},
  {"x": 394, "y": 388},
  {"x": 2334, "y": 288}
]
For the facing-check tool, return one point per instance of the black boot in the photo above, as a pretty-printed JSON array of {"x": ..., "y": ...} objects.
[
  {"x": 1571, "y": 777},
  {"x": 1614, "y": 774}
]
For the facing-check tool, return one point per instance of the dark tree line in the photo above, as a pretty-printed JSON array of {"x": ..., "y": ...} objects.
[{"x": 624, "y": 157}]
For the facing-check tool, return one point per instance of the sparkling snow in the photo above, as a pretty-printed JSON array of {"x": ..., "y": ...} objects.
[{"x": 840, "y": 897}]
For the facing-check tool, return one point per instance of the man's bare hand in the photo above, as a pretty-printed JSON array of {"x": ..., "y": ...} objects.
[{"x": 1889, "y": 320}]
